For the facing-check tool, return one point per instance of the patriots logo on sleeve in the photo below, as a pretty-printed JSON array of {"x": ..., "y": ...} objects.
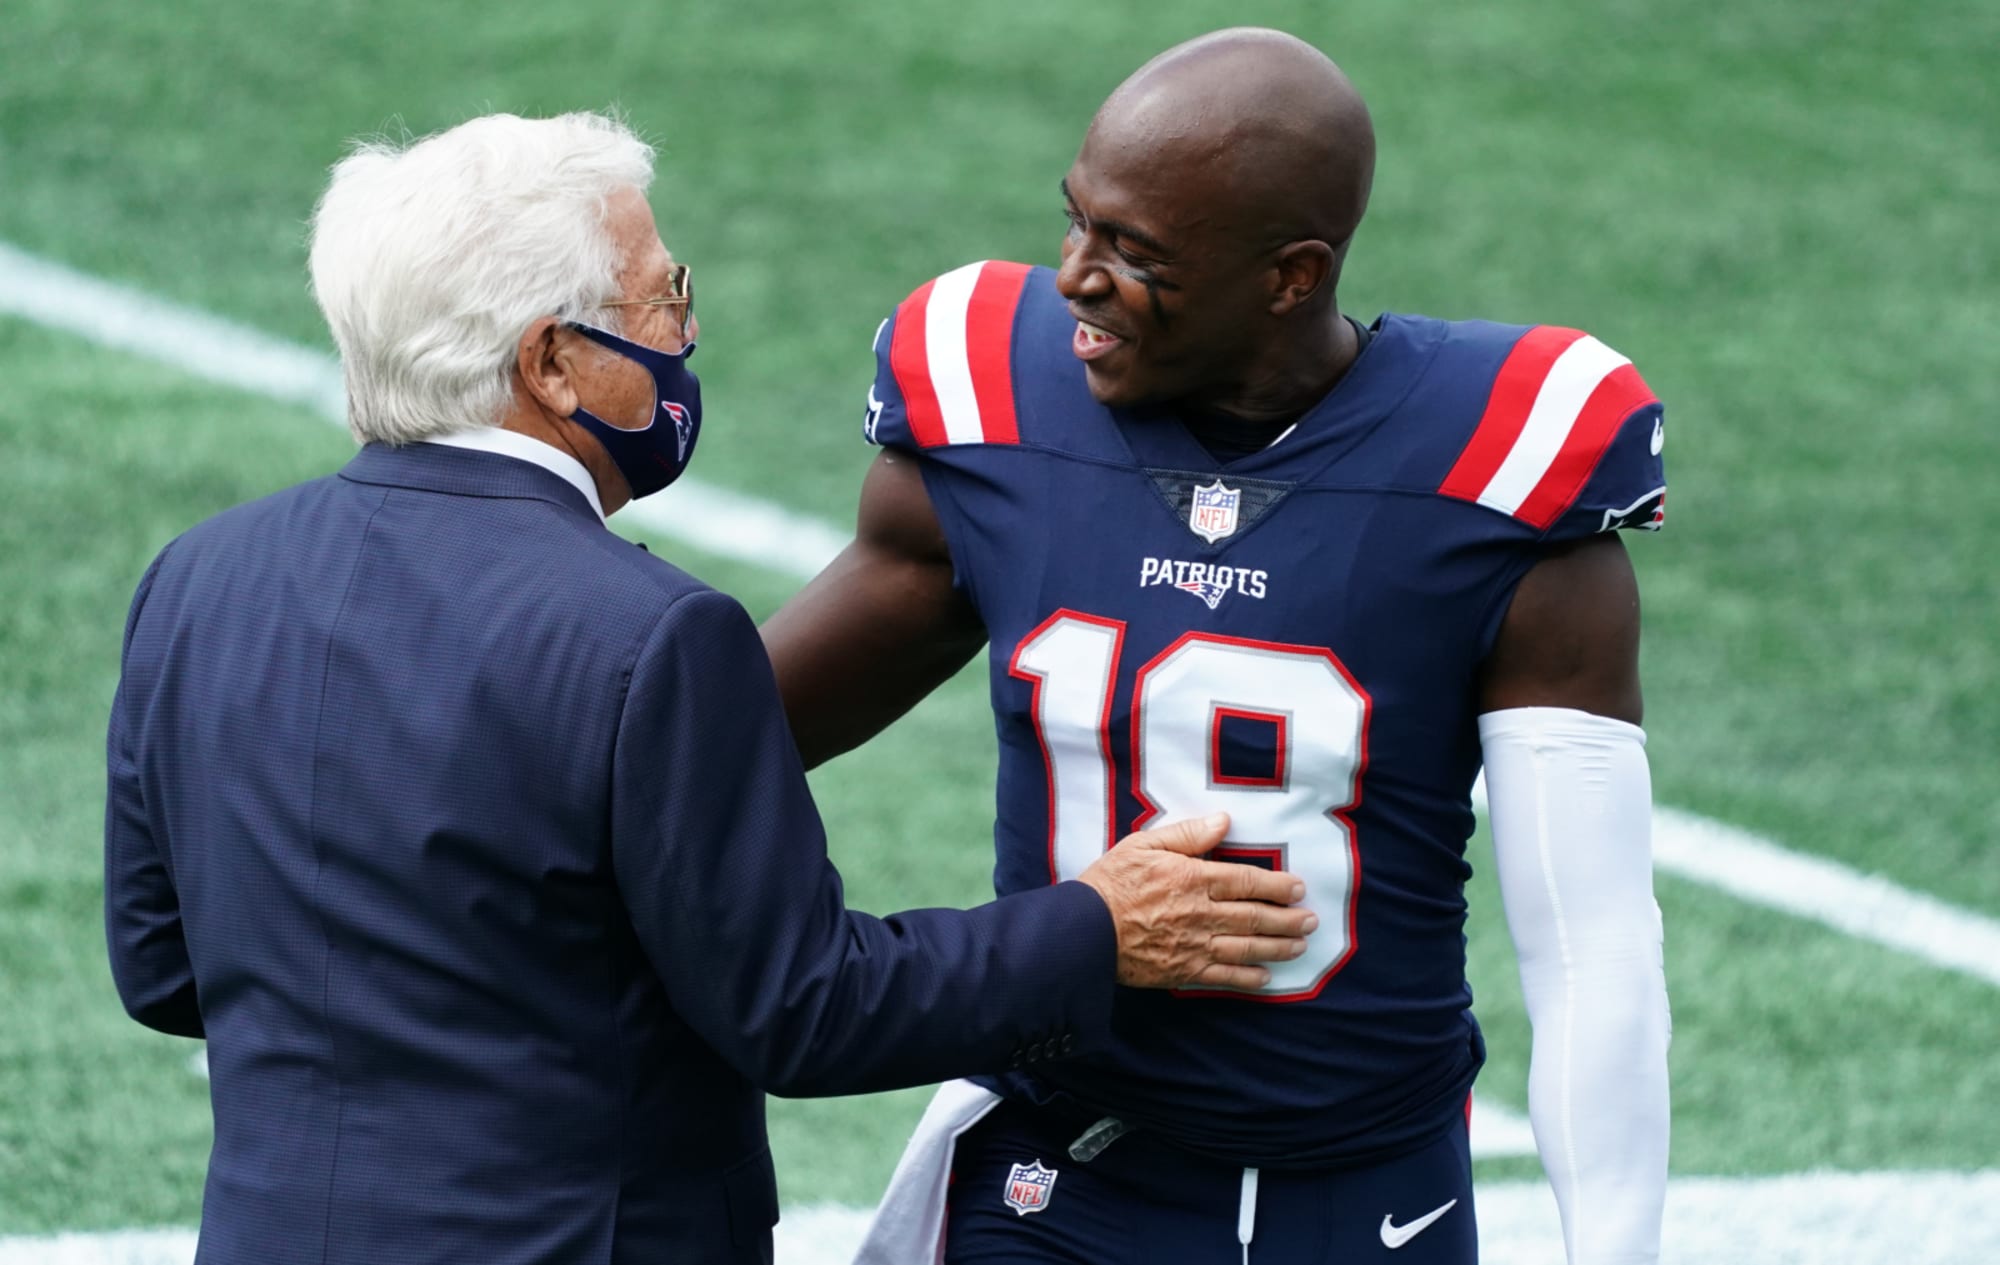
[
  {"x": 1648, "y": 513},
  {"x": 874, "y": 418}
]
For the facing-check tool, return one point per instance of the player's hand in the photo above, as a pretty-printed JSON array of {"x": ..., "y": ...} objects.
[{"x": 1183, "y": 921}]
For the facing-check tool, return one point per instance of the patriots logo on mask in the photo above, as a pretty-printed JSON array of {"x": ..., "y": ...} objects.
[
  {"x": 1213, "y": 514},
  {"x": 683, "y": 425},
  {"x": 1028, "y": 1187}
]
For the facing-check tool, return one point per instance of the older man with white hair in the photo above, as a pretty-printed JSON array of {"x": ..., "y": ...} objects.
[{"x": 473, "y": 838}]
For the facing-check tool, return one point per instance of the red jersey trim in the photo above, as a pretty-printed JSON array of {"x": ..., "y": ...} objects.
[
  {"x": 1507, "y": 407},
  {"x": 909, "y": 360},
  {"x": 1622, "y": 393},
  {"x": 989, "y": 342},
  {"x": 1552, "y": 413},
  {"x": 953, "y": 355}
]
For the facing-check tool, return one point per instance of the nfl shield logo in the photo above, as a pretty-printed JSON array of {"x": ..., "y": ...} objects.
[
  {"x": 1213, "y": 514},
  {"x": 1028, "y": 1187}
]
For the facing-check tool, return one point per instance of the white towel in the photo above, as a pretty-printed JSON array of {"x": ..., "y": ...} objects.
[{"x": 908, "y": 1228}]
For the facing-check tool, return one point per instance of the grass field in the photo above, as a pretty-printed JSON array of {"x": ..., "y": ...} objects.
[{"x": 1783, "y": 212}]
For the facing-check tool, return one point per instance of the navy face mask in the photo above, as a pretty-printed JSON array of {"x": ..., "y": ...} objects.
[{"x": 654, "y": 456}]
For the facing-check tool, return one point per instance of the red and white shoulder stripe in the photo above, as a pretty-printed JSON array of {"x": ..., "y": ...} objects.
[
  {"x": 952, "y": 355},
  {"x": 1555, "y": 407}
]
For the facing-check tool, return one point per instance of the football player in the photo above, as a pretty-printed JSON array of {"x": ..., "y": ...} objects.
[{"x": 1235, "y": 550}]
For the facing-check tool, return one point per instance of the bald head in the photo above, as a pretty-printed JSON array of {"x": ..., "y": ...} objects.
[
  {"x": 1282, "y": 135},
  {"x": 1210, "y": 210}
]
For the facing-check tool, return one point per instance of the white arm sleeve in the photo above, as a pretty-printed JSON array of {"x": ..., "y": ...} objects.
[{"x": 1571, "y": 803}]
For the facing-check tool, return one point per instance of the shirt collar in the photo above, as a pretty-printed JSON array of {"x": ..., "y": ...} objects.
[{"x": 512, "y": 443}]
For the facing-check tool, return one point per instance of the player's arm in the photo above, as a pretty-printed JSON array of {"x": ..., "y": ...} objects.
[
  {"x": 880, "y": 628},
  {"x": 1571, "y": 802}
]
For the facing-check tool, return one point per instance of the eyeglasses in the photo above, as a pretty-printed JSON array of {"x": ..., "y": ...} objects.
[{"x": 680, "y": 293}]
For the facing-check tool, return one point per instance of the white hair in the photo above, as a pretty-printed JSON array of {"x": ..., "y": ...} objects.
[{"x": 430, "y": 259}]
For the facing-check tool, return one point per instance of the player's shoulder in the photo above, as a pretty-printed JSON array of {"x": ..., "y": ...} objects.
[
  {"x": 1544, "y": 424},
  {"x": 956, "y": 357}
]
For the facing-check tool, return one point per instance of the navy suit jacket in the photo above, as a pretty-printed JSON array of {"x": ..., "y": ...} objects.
[{"x": 473, "y": 839}]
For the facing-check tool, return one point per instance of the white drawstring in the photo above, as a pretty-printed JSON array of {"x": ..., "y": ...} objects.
[{"x": 1246, "y": 1212}]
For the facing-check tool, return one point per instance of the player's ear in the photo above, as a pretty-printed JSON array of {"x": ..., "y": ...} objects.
[
  {"x": 546, "y": 363},
  {"x": 1303, "y": 269}
]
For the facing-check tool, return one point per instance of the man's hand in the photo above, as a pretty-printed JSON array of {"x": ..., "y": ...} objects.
[{"x": 1187, "y": 922}]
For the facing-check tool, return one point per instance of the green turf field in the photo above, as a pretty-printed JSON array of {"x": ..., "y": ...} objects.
[{"x": 1782, "y": 211}]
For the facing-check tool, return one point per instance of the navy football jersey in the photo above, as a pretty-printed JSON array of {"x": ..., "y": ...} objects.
[{"x": 1292, "y": 637}]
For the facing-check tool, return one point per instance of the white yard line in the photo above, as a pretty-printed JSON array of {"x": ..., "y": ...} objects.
[
  {"x": 1865, "y": 906},
  {"x": 125, "y": 319},
  {"x": 1810, "y": 1219},
  {"x": 746, "y": 529},
  {"x": 714, "y": 520},
  {"x": 1497, "y": 1132}
]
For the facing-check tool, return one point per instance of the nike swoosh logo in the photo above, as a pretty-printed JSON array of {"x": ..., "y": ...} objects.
[{"x": 1394, "y": 1236}]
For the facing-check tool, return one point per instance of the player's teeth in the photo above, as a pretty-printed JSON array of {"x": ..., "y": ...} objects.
[{"x": 1093, "y": 333}]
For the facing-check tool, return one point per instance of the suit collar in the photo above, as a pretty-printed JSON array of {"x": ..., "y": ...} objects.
[
  {"x": 464, "y": 472},
  {"x": 526, "y": 448}
]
